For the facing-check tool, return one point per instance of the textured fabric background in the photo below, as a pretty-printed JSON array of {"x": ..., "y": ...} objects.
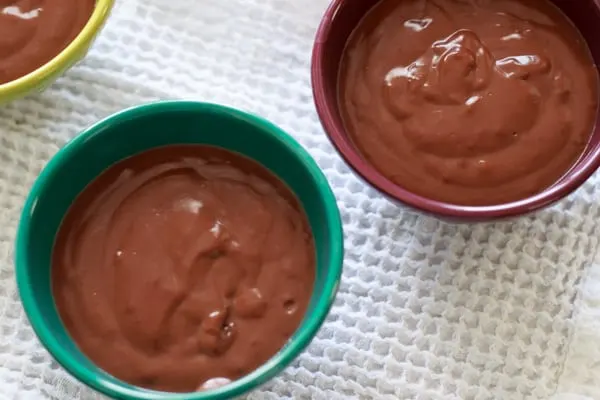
[{"x": 427, "y": 310}]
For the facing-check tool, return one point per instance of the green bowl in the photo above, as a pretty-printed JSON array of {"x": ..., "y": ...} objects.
[{"x": 136, "y": 130}]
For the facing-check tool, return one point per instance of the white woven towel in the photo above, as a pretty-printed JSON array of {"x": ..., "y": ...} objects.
[{"x": 427, "y": 310}]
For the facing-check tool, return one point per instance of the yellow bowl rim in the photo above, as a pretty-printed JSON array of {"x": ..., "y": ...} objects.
[{"x": 64, "y": 58}]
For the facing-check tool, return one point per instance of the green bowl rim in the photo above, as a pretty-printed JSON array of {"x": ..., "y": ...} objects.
[{"x": 249, "y": 382}]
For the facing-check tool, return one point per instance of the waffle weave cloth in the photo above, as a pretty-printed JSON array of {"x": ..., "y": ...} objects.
[{"x": 426, "y": 310}]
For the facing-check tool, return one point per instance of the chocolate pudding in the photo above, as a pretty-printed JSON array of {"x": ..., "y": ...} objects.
[
  {"x": 471, "y": 102},
  {"x": 183, "y": 267},
  {"x": 32, "y": 32}
]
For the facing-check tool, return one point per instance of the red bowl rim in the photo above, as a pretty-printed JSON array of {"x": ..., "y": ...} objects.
[{"x": 573, "y": 179}]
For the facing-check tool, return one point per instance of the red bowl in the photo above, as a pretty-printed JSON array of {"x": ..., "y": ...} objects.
[{"x": 337, "y": 24}]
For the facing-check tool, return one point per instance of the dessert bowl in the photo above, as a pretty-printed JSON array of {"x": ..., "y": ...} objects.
[
  {"x": 45, "y": 75},
  {"x": 338, "y": 23},
  {"x": 146, "y": 127}
]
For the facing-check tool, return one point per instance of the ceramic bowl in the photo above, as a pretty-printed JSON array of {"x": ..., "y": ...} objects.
[
  {"x": 339, "y": 21},
  {"x": 46, "y": 74},
  {"x": 141, "y": 128}
]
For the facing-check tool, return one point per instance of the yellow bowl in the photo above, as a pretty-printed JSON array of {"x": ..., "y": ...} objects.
[{"x": 74, "y": 52}]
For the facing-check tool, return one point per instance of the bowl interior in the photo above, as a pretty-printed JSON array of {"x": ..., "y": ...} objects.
[
  {"x": 139, "y": 129},
  {"x": 339, "y": 22}
]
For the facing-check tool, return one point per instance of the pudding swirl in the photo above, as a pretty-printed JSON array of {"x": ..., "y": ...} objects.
[
  {"x": 32, "y": 32},
  {"x": 469, "y": 102},
  {"x": 183, "y": 267}
]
